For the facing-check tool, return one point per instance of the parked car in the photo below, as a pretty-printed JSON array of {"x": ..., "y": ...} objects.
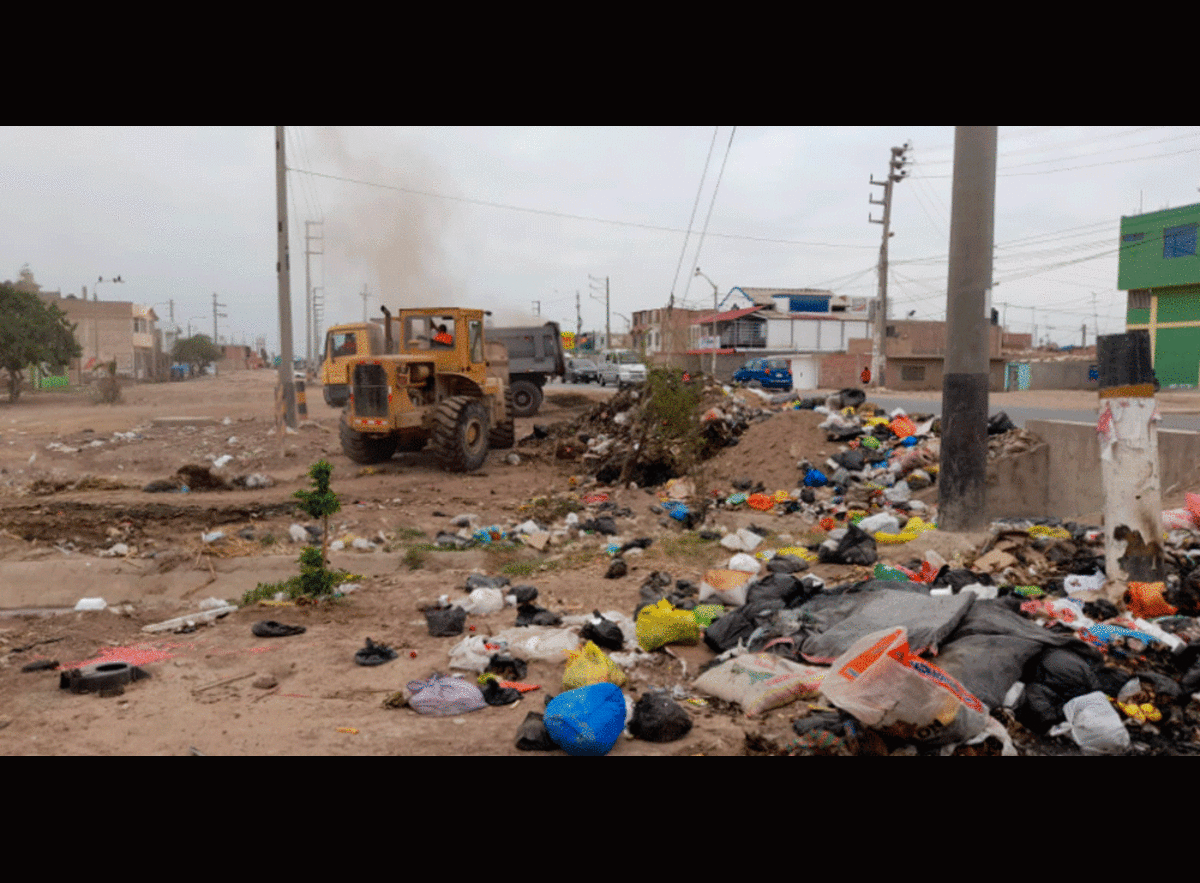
[
  {"x": 622, "y": 368},
  {"x": 765, "y": 373},
  {"x": 581, "y": 371}
]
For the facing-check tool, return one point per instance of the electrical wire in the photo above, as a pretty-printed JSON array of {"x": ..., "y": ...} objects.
[
  {"x": 569, "y": 216},
  {"x": 691, "y": 220},
  {"x": 712, "y": 202}
]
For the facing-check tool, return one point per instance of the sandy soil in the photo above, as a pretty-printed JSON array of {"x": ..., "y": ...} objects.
[{"x": 71, "y": 479}]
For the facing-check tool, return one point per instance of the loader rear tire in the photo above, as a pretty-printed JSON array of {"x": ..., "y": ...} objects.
[
  {"x": 363, "y": 448},
  {"x": 504, "y": 435},
  {"x": 460, "y": 434}
]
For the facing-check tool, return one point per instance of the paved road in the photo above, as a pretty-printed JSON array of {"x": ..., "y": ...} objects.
[{"x": 1018, "y": 415}]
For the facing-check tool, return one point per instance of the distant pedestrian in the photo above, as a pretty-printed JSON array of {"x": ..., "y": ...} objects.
[{"x": 865, "y": 376}]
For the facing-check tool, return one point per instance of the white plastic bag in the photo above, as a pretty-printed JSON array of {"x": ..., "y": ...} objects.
[
  {"x": 886, "y": 686},
  {"x": 483, "y": 601},
  {"x": 727, "y": 586},
  {"x": 471, "y": 654},
  {"x": 1096, "y": 726}
]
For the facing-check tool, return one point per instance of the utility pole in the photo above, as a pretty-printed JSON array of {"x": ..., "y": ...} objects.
[
  {"x": 283, "y": 270},
  {"x": 895, "y": 173},
  {"x": 607, "y": 313},
  {"x": 537, "y": 308},
  {"x": 364, "y": 295},
  {"x": 578, "y": 319},
  {"x": 309, "y": 326},
  {"x": 962, "y": 481},
  {"x": 216, "y": 314},
  {"x": 1129, "y": 467}
]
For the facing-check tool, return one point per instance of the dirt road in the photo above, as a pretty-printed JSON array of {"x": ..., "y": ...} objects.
[{"x": 72, "y": 475}]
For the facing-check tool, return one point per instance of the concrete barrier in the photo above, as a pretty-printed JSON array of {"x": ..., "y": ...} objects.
[{"x": 1072, "y": 475}]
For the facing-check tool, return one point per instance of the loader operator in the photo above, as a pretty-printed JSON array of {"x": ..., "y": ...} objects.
[{"x": 443, "y": 337}]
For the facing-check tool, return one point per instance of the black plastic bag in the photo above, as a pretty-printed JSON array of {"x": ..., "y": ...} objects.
[
  {"x": 506, "y": 665},
  {"x": 271, "y": 629},
  {"x": 445, "y": 622},
  {"x": 524, "y": 594},
  {"x": 605, "y": 633},
  {"x": 374, "y": 654},
  {"x": 494, "y": 694},
  {"x": 739, "y": 624},
  {"x": 856, "y": 547},
  {"x": 532, "y": 734},
  {"x": 999, "y": 424},
  {"x": 531, "y": 614},
  {"x": 659, "y": 718},
  {"x": 479, "y": 581}
]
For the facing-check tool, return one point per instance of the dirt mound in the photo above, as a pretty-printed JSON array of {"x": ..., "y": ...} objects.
[{"x": 769, "y": 449}]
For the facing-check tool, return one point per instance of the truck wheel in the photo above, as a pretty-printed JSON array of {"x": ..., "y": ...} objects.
[
  {"x": 362, "y": 448},
  {"x": 504, "y": 435},
  {"x": 460, "y": 434},
  {"x": 527, "y": 398}
]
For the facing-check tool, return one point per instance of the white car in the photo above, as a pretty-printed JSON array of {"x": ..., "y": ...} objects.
[{"x": 622, "y": 368}]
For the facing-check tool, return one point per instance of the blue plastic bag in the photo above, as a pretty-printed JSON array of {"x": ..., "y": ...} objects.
[
  {"x": 586, "y": 722},
  {"x": 815, "y": 478},
  {"x": 678, "y": 511}
]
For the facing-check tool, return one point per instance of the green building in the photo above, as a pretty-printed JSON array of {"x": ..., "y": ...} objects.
[{"x": 1160, "y": 269}]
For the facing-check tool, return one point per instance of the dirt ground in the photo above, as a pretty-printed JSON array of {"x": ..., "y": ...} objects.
[{"x": 71, "y": 487}]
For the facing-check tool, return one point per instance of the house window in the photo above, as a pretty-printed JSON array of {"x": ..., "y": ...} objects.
[
  {"x": 1139, "y": 300},
  {"x": 912, "y": 372},
  {"x": 1180, "y": 241},
  {"x": 1133, "y": 237},
  {"x": 891, "y": 331}
]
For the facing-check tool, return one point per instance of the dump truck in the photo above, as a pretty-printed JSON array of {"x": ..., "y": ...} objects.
[
  {"x": 440, "y": 383},
  {"x": 535, "y": 354}
]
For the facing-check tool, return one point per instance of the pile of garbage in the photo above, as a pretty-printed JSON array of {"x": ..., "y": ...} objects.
[
  {"x": 655, "y": 432},
  {"x": 923, "y": 658}
]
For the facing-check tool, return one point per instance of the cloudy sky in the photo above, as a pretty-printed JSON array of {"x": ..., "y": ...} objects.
[{"x": 521, "y": 220}]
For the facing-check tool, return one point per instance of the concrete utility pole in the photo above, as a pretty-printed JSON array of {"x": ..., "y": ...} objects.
[
  {"x": 309, "y": 325},
  {"x": 895, "y": 173},
  {"x": 607, "y": 313},
  {"x": 716, "y": 294},
  {"x": 962, "y": 479},
  {"x": 578, "y": 319},
  {"x": 215, "y": 315},
  {"x": 364, "y": 295},
  {"x": 1129, "y": 462},
  {"x": 283, "y": 270}
]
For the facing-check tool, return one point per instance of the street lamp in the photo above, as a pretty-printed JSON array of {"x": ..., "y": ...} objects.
[
  {"x": 96, "y": 290},
  {"x": 189, "y": 324},
  {"x": 714, "y": 324}
]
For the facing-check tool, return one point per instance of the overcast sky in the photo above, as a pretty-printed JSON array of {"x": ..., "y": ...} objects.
[{"x": 518, "y": 220}]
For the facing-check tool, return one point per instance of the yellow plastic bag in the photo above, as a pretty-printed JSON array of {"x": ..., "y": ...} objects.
[
  {"x": 590, "y": 666},
  {"x": 661, "y": 623}
]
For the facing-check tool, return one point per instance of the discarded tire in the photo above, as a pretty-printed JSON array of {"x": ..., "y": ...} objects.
[{"x": 101, "y": 677}]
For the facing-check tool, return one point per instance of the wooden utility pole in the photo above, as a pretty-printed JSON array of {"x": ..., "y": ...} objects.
[
  {"x": 895, "y": 173},
  {"x": 283, "y": 271},
  {"x": 962, "y": 477}
]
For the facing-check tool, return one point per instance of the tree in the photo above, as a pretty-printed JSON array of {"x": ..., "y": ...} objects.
[
  {"x": 32, "y": 332},
  {"x": 197, "y": 350}
]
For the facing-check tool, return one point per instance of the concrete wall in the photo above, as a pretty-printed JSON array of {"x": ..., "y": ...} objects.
[
  {"x": 1073, "y": 470},
  {"x": 1019, "y": 486},
  {"x": 1061, "y": 375}
]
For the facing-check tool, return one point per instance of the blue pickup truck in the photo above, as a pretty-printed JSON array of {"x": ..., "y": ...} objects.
[{"x": 765, "y": 373}]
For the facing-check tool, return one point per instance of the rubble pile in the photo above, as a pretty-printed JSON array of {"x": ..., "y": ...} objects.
[{"x": 656, "y": 432}]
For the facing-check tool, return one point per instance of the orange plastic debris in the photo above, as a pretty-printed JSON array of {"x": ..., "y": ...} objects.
[
  {"x": 760, "y": 501},
  {"x": 1145, "y": 600}
]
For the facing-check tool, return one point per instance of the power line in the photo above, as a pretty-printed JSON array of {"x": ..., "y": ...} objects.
[
  {"x": 692, "y": 218},
  {"x": 568, "y": 215}
]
